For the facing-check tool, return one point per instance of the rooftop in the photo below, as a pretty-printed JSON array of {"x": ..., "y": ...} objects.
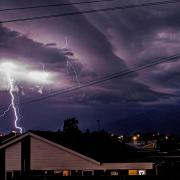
[{"x": 97, "y": 147}]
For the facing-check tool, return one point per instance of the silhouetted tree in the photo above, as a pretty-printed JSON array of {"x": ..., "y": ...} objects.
[{"x": 71, "y": 126}]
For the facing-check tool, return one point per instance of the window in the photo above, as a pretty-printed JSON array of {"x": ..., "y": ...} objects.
[
  {"x": 132, "y": 172},
  {"x": 66, "y": 173},
  {"x": 58, "y": 172},
  {"x": 76, "y": 173},
  {"x": 114, "y": 173},
  {"x": 142, "y": 172},
  {"x": 87, "y": 173},
  {"x": 99, "y": 173}
]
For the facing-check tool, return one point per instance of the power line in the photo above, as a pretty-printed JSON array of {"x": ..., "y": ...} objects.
[
  {"x": 54, "y": 5},
  {"x": 100, "y": 80},
  {"x": 106, "y": 78},
  {"x": 91, "y": 11}
]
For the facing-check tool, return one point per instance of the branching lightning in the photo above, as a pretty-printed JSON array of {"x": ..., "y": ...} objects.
[
  {"x": 7, "y": 67},
  {"x": 11, "y": 85},
  {"x": 70, "y": 66},
  {"x": 5, "y": 112},
  {"x": 19, "y": 72}
]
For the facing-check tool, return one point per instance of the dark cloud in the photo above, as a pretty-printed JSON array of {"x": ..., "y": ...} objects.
[
  {"x": 97, "y": 45},
  {"x": 54, "y": 59},
  {"x": 14, "y": 45},
  {"x": 163, "y": 118}
]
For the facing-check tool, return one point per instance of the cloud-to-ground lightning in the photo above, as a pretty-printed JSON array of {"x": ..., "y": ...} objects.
[
  {"x": 18, "y": 108},
  {"x": 21, "y": 73},
  {"x": 7, "y": 68}
]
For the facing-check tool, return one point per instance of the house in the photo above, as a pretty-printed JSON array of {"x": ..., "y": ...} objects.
[{"x": 33, "y": 154}]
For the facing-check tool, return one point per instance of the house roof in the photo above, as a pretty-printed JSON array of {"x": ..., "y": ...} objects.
[
  {"x": 20, "y": 137},
  {"x": 9, "y": 137},
  {"x": 92, "y": 149},
  {"x": 102, "y": 150}
]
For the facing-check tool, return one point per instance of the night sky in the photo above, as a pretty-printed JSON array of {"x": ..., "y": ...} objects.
[{"x": 93, "y": 45}]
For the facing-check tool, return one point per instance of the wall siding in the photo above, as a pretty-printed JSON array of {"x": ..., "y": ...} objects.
[
  {"x": 123, "y": 166},
  {"x": 13, "y": 157},
  {"x": 45, "y": 156}
]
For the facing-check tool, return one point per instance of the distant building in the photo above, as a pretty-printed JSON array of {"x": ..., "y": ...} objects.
[{"x": 30, "y": 154}]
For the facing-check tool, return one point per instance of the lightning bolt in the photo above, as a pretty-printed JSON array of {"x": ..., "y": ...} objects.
[
  {"x": 69, "y": 65},
  {"x": 18, "y": 107},
  {"x": 9, "y": 69},
  {"x": 43, "y": 66},
  {"x": 40, "y": 88},
  {"x": 66, "y": 43},
  {"x": 5, "y": 112},
  {"x": 11, "y": 89},
  {"x": 12, "y": 104}
]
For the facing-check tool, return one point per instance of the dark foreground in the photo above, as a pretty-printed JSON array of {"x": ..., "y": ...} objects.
[{"x": 103, "y": 177}]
